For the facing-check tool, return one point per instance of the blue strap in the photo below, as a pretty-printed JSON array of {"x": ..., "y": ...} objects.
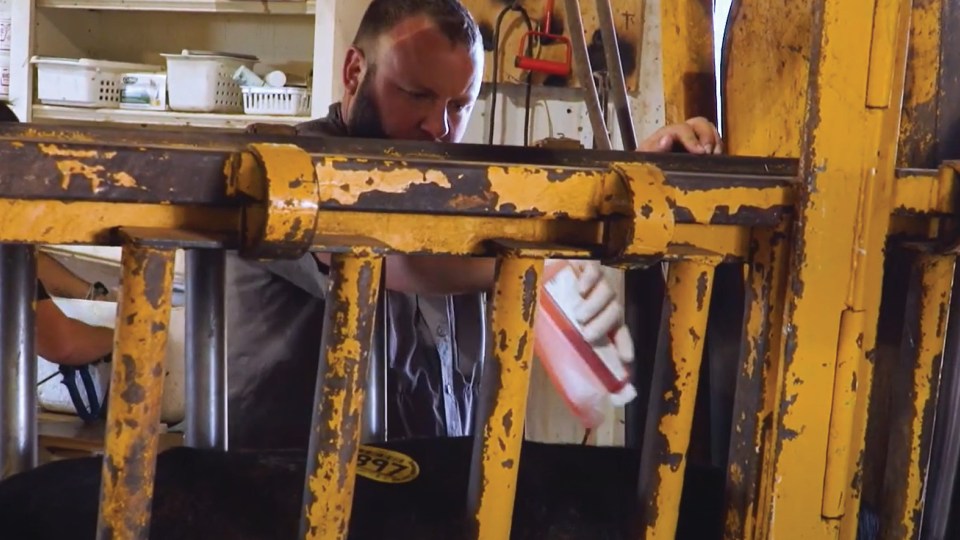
[{"x": 96, "y": 410}]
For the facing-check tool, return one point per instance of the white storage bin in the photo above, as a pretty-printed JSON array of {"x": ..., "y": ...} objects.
[
  {"x": 83, "y": 82},
  {"x": 276, "y": 101},
  {"x": 4, "y": 75},
  {"x": 203, "y": 82}
]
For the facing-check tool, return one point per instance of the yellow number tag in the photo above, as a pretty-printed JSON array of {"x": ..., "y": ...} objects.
[{"x": 386, "y": 466}]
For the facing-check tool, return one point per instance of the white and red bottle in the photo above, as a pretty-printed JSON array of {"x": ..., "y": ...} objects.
[{"x": 589, "y": 376}]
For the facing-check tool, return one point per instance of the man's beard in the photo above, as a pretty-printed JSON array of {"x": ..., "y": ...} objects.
[{"x": 364, "y": 121}]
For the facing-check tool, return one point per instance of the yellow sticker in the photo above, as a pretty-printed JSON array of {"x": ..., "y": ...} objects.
[{"x": 386, "y": 466}]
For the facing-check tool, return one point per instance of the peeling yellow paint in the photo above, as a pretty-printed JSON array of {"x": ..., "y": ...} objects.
[
  {"x": 56, "y": 151},
  {"x": 123, "y": 179},
  {"x": 703, "y": 204},
  {"x": 346, "y": 187},
  {"x": 528, "y": 189},
  {"x": 689, "y": 291},
  {"x": 493, "y": 477},
  {"x": 70, "y": 168}
]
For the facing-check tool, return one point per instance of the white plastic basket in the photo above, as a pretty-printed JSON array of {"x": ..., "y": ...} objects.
[
  {"x": 4, "y": 75},
  {"x": 276, "y": 101},
  {"x": 83, "y": 82},
  {"x": 203, "y": 82}
]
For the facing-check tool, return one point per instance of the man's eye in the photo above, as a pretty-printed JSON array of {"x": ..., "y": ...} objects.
[{"x": 417, "y": 95}]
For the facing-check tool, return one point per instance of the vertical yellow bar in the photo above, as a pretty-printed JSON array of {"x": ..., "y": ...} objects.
[
  {"x": 911, "y": 421},
  {"x": 335, "y": 432},
  {"x": 503, "y": 402},
  {"x": 136, "y": 391},
  {"x": 674, "y": 394},
  {"x": 836, "y": 268},
  {"x": 688, "y": 59},
  {"x": 757, "y": 384}
]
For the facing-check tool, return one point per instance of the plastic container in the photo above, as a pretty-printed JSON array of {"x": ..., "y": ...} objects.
[
  {"x": 53, "y": 395},
  {"x": 202, "y": 81},
  {"x": 83, "y": 82},
  {"x": 144, "y": 91},
  {"x": 589, "y": 377},
  {"x": 4, "y": 75},
  {"x": 276, "y": 101},
  {"x": 6, "y": 30}
]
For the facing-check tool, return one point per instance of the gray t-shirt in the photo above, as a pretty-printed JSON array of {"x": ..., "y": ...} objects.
[{"x": 274, "y": 321}]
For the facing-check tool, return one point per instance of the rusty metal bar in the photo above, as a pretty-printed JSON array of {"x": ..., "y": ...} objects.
[
  {"x": 335, "y": 430},
  {"x": 946, "y": 451},
  {"x": 18, "y": 363},
  {"x": 618, "y": 85},
  {"x": 824, "y": 334},
  {"x": 136, "y": 391},
  {"x": 673, "y": 395},
  {"x": 912, "y": 419},
  {"x": 374, "y": 424},
  {"x": 503, "y": 397},
  {"x": 688, "y": 60},
  {"x": 205, "y": 354},
  {"x": 644, "y": 294},
  {"x": 756, "y": 394}
]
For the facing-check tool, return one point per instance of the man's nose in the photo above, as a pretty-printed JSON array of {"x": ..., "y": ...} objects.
[{"x": 437, "y": 123}]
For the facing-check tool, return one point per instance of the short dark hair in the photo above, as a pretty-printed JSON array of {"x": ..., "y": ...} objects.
[
  {"x": 6, "y": 113},
  {"x": 450, "y": 16}
]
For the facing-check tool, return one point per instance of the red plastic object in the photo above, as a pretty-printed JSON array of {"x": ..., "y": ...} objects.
[
  {"x": 550, "y": 67},
  {"x": 588, "y": 377}
]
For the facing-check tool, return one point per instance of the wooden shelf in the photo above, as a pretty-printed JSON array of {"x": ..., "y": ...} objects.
[
  {"x": 158, "y": 118},
  {"x": 267, "y": 7}
]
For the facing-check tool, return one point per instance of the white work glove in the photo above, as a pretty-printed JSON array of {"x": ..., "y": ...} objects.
[{"x": 601, "y": 313}]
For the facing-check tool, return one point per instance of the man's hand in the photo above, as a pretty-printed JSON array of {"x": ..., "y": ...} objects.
[
  {"x": 697, "y": 135},
  {"x": 600, "y": 313}
]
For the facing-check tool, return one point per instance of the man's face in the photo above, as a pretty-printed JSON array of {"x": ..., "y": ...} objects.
[{"x": 419, "y": 86}]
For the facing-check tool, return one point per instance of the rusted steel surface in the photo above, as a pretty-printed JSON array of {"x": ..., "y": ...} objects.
[
  {"x": 765, "y": 66},
  {"x": 136, "y": 389},
  {"x": 688, "y": 62},
  {"x": 285, "y": 223},
  {"x": 335, "y": 430},
  {"x": 948, "y": 117},
  {"x": 503, "y": 398},
  {"x": 644, "y": 308},
  {"x": 755, "y": 398},
  {"x": 837, "y": 243},
  {"x": 921, "y": 99},
  {"x": 87, "y": 171},
  {"x": 673, "y": 395},
  {"x": 121, "y": 166},
  {"x": 914, "y": 405}
]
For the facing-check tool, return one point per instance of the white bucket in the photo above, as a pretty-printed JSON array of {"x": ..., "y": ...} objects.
[{"x": 4, "y": 74}]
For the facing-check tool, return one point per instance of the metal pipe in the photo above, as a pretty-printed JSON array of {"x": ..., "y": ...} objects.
[
  {"x": 673, "y": 396},
  {"x": 136, "y": 393},
  {"x": 374, "y": 421},
  {"x": 946, "y": 452},
  {"x": 618, "y": 85},
  {"x": 18, "y": 364},
  {"x": 338, "y": 402},
  {"x": 911, "y": 418},
  {"x": 205, "y": 355},
  {"x": 502, "y": 404},
  {"x": 584, "y": 72}
]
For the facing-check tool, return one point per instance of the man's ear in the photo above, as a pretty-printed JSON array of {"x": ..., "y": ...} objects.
[{"x": 354, "y": 66}]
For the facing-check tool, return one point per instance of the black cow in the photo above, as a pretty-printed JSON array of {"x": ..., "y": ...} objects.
[{"x": 564, "y": 492}]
